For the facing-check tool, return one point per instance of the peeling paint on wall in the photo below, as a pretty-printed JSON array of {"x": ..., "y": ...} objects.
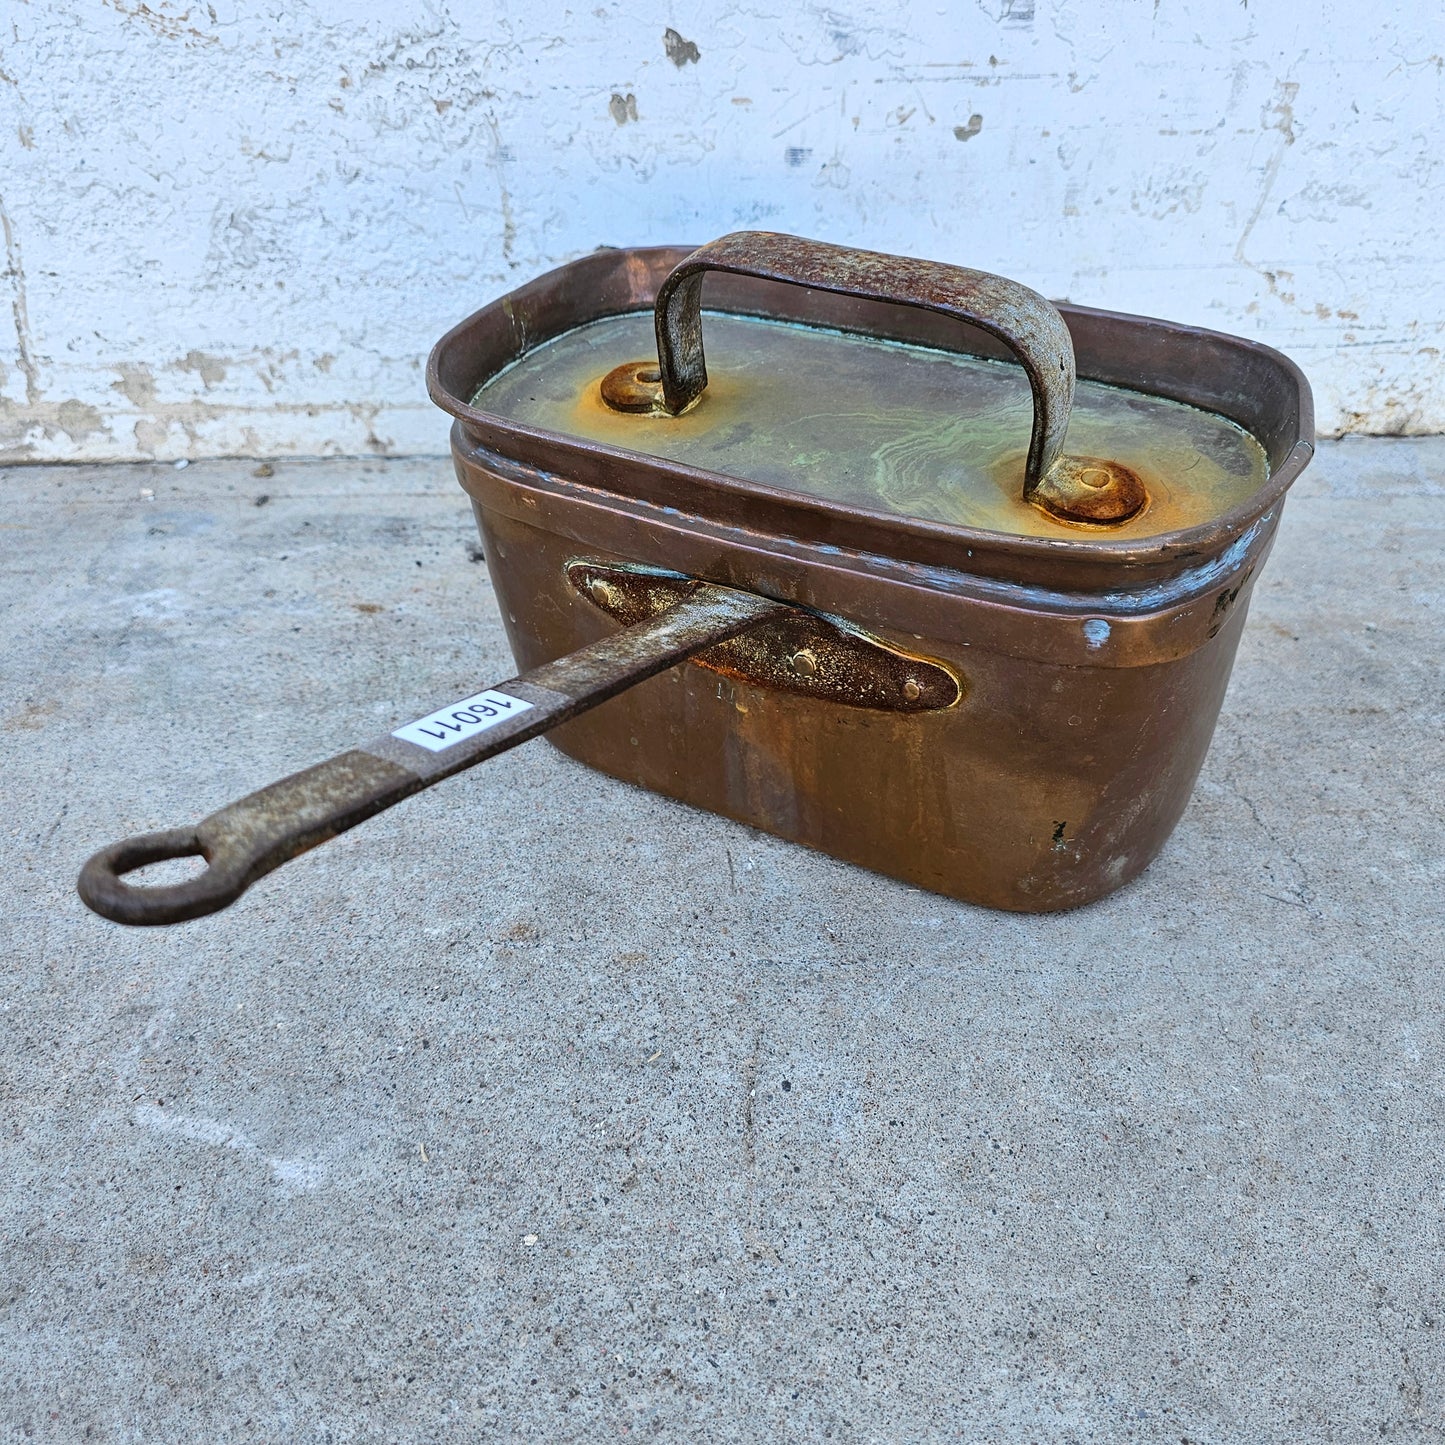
[
  {"x": 234, "y": 232},
  {"x": 623, "y": 108},
  {"x": 681, "y": 52}
]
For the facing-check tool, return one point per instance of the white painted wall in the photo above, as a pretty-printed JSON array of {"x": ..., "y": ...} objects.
[{"x": 238, "y": 227}]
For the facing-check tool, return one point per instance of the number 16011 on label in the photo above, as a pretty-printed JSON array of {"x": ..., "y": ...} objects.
[{"x": 462, "y": 720}]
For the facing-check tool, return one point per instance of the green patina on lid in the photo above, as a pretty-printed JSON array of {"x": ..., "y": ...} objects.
[{"x": 882, "y": 425}]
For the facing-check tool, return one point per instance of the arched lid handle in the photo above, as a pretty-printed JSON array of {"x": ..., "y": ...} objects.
[{"x": 1076, "y": 489}]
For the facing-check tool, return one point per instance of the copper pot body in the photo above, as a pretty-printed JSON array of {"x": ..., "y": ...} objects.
[{"x": 1093, "y": 673}]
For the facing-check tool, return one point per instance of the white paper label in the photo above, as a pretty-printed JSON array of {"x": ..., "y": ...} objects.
[{"x": 462, "y": 720}]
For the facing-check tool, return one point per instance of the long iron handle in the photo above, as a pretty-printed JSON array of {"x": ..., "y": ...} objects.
[{"x": 250, "y": 837}]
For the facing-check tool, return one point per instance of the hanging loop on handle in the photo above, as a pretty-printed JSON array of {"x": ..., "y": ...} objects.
[{"x": 1076, "y": 489}]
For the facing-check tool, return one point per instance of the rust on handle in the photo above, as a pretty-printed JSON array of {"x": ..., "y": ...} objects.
[
  {"x": 1083, "y": 490},
  {"x": 248, "y": 838}
]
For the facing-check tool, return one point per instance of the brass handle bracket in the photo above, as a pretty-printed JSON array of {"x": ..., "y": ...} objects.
[{"x": 797, "y": 651}]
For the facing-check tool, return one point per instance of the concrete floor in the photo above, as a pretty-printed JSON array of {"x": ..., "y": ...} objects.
[{"x": 475, "y": 1124}]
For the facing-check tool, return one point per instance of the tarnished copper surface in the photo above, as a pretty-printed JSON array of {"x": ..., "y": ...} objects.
[
  {"x": 966, "y": 800},
  {"x": 911, "y": 432},
  {"x": 1244, "y": 382},
  {"x": 1096, "y": 661},
  {"x": 795, "y": 652}
]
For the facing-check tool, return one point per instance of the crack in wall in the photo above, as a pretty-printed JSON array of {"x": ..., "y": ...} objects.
[
  {"x": 1283, "y": 112},
  {"x": 24, "y": 343}
]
